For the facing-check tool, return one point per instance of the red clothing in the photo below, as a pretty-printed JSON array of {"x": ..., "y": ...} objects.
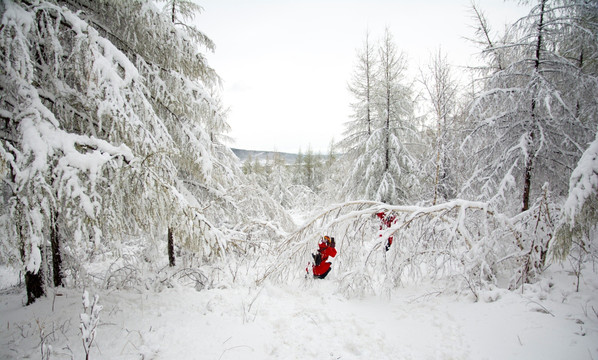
[
  {"x": 385, "y": 223},
  {"x": 324, "y": 266}
]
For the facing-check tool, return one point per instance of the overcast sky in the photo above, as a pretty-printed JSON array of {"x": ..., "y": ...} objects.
[{"x": 286, "y": 64}]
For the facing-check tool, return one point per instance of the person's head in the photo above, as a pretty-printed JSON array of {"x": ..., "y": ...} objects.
[{"x": 326, "y": 239}]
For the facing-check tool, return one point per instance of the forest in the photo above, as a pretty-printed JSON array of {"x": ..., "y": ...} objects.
[{"x": 118, "y": 174}]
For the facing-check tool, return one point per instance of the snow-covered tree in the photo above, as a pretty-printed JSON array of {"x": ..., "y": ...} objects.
[
  {"x": 360, "y": 127},
  {"x": 183, "y": 92},
  {"x": 334, "y": 174},
  {"x": 441, "y": 90},
  {"x": 312, "y": 168},
  {"x": 59, "y": 177},
  {"x": 383, "y": 168},
  {"x": 484, "y": 39},
  {"x": 112, "y": 128},
  {"x": 279, "y": 181},
  {"x": 298, "y": 173},
  {"x": 526, "y": 130},
  {"x": 583, "y": 184},
  {"x": 332, "y": 155}
]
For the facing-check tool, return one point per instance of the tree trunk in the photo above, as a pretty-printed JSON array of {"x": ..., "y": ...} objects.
[
  {"x": 368, "y": 86},
  {"x": 580, "y": 65},
  {"x": 56, "y": 255},
  {"x": 529, "y": 164},
  {"x": 171, "y": 260},
  {"x": 173, "y": 11},
  {"x": 540, "y": 30},
  {"x": 527, "y": 182},
  {"x": 437, "y": 179},
  {"x": 386, "y": 199},
  {"x": 34, "y": 283},
  {"x": 387, "y": 144}
]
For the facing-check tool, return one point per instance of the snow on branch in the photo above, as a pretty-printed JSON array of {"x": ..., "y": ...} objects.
[
  {"x": 89, "y": 321},
  {"x": 583, "y": 182},
  {"x": 452, "y": 239},
  {"x": 465, "y": 243}
]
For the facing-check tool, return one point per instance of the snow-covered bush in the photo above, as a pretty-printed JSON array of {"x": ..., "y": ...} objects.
[{"x": 90, "y": 318}]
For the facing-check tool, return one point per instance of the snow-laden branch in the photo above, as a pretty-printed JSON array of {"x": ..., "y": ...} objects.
[
  {"x": 357, "y": 234},
  {"x": 583, "y": 183},
  {"x": 463, "y": 241}
]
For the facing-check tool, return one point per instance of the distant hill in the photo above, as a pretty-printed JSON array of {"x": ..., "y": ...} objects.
[{"x": 243, "y": 154}]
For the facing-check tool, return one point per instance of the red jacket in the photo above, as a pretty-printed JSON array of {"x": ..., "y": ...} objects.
[
  {"x": 326, "y": 251},
  {"x": 385, "y": 223}
]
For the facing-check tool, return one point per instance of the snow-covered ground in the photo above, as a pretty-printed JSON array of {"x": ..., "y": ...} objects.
[{"x": 308, "y": 320}]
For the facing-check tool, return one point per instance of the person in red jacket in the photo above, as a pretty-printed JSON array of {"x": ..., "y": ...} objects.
[
  {"x": 386, "y": 221},
  {"x": 326, "y": 248}
]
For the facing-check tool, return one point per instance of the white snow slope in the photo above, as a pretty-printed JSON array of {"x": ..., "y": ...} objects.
[{"x": 309, "y": 320}]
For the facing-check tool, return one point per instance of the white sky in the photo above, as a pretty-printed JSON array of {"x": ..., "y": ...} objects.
[{"x": 286, "y": 64}]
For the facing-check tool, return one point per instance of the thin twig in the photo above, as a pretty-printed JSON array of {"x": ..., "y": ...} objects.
[{"x": 234, "y": 347}]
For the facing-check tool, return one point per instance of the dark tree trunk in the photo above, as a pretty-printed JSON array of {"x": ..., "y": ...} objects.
[
  {"x": 35, "y": 286},
  {"x": 56, "y": 255},
  {"x": 34, "y": 282},
  {"x": 527, "y": 184},
  {"x": 170, "y": 247},
  {"x": 368, "y": 86},
  {"x": 529, "y": 165},
  {"x": 437, "y": 180},
  {"x": 173, "y": 11}
]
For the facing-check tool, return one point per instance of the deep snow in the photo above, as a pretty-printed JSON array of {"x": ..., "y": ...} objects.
[{"x": 309, "y": 319}]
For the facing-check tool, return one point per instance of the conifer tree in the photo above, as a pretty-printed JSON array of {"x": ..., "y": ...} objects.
[
  {"x": 383, "y": 166},
  {"x": 442, "y": 91},
  {"x": 113, "y": 129},
  {"x": 526, "y": 130}
]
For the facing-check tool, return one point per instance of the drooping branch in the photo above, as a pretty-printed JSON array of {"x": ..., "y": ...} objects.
[{"x": 356, "y": 213}]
